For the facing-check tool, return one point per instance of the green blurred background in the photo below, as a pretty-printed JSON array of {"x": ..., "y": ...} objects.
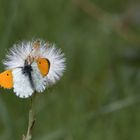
[{"x": 98, "y": 97}]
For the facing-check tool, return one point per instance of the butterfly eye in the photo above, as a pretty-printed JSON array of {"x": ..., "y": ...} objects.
[{"x": 43, "y": 65}]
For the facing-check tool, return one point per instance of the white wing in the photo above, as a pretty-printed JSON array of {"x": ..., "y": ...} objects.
[
  {"x": 38, "y": 80},
  {"x": 22, "y": 86}
]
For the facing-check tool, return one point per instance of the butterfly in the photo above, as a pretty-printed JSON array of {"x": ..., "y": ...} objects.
[{"x": 32, "y": 66}]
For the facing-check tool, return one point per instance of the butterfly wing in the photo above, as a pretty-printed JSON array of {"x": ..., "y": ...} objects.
[
  {"x": 6, "y": 79},
  {"x": 22, "y": 86},
  {"x": 43, "y": 66},
  {"x": 38, "y": 79}
]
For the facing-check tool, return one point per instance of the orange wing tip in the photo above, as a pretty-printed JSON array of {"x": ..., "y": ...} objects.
[
  {"x": 43, "y": 66},
  {"x": 6, "y": 87},
  {"x": 6, "y": 79}
]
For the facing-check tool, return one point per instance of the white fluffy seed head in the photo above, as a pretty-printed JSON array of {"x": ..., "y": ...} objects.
[
  {"x": 17, "y": 55},
  {"x": 15, "y": 60}
]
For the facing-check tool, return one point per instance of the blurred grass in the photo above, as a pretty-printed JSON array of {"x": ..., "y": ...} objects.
[{"x": 98, "y": 97}]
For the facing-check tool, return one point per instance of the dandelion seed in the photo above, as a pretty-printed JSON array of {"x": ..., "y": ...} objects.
[{"x": 32, "y": 66}]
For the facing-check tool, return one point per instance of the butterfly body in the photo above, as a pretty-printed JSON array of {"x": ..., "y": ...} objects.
[{"x": 27, "y": 71}]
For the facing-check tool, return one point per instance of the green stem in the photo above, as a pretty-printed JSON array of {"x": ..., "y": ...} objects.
[{"x": 31, "y": 121}]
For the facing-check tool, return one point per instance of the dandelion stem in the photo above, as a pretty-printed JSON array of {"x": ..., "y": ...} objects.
[{"x": 31, "y": 120}]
